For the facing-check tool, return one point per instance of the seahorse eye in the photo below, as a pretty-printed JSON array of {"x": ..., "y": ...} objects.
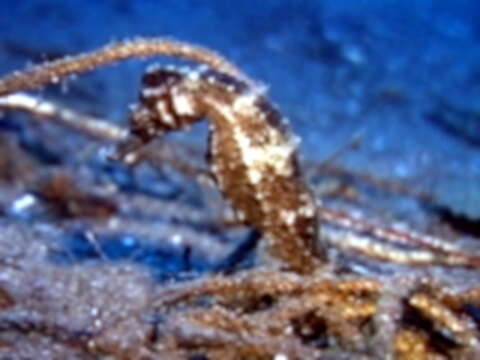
[{"x": 157, "y": 85}]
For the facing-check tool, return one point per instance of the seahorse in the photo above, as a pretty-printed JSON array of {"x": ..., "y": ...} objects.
[{"x": 251, "y": 153}]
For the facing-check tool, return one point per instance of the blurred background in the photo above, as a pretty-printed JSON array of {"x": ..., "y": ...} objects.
[
  {"x": 382, "y": 88},
  {"x": 385, "y": 97}
]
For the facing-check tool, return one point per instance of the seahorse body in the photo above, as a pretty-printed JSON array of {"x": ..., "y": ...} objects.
[{"x": 252, "y": 155}]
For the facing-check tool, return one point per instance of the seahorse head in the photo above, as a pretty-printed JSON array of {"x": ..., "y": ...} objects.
[{"x": 166, "y": 102}]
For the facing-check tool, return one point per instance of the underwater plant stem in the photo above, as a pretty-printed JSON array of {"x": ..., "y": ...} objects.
[
  {"x": 41, "y": 108},
  {"x": 54, "y": 71}
]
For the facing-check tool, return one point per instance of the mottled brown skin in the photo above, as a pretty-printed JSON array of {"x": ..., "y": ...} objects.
[{"x": 252, "y": 156}]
